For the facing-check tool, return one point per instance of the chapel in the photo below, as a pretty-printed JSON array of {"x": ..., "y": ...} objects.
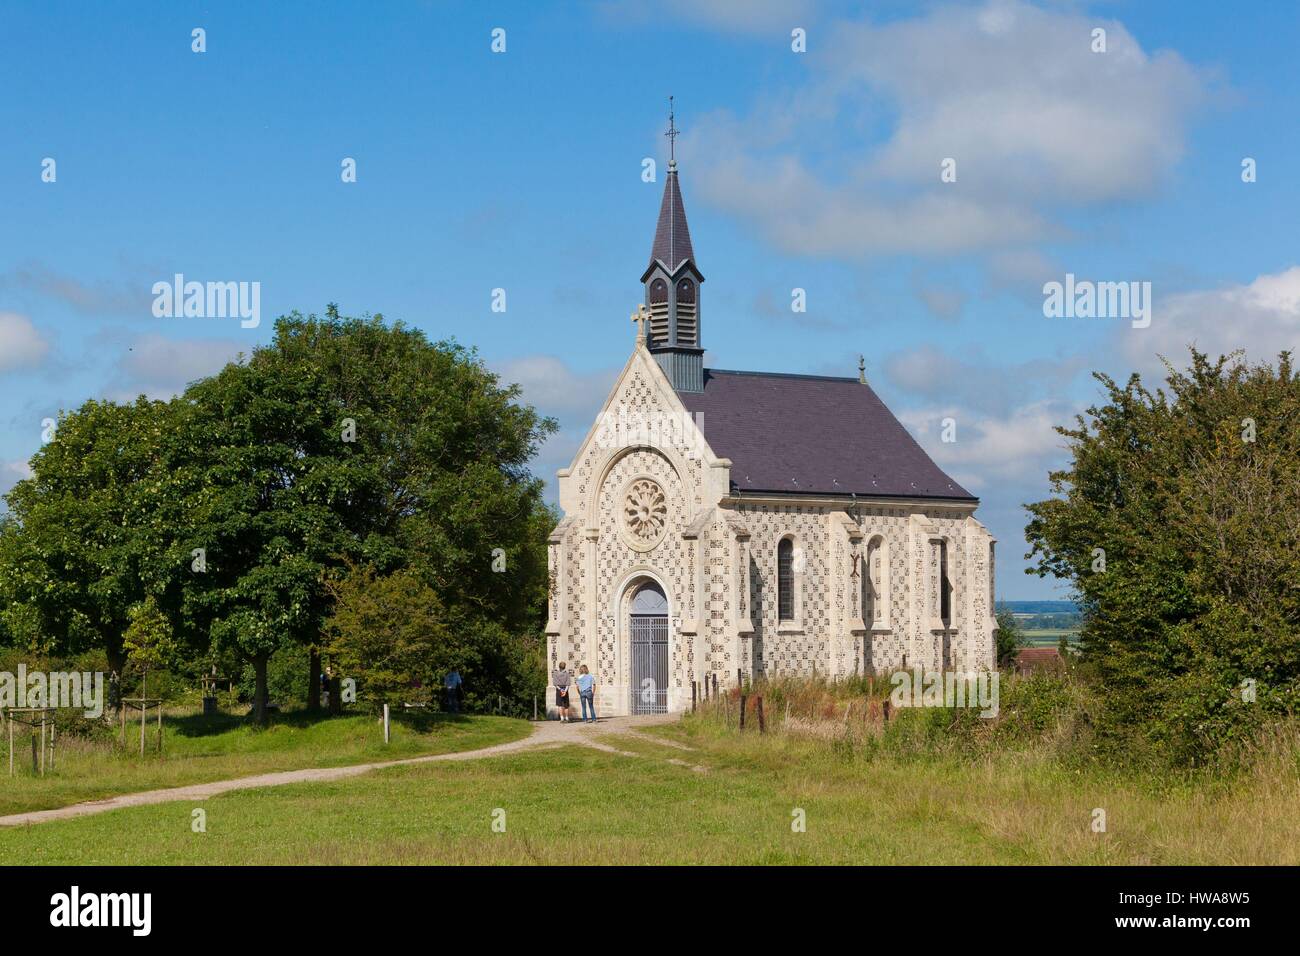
[{"x": 733, "y": 525}]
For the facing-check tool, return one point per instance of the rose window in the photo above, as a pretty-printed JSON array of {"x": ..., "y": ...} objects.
[{"x": 645, "y": 511}]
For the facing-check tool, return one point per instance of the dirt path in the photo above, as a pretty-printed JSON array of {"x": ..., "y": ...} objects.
[{"x": 550, "y": 733}]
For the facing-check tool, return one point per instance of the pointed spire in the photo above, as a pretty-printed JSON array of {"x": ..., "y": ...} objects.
[
  {"x": 672, "y": 287},
  {"x": 672, "y": 244}
]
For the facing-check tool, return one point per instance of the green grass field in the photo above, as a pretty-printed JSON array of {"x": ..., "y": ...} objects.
[
  {"x": 1048, "y": 637},
  {"x": 575, "y": 805},
  {"x": 198, "y": 750}
]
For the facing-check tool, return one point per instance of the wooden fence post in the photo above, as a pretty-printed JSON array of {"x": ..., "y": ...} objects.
[
  {"x": 715, "y": 683},
  {"x": 386, "y": 732},
  {"x": 884, "y": 709},
  {"x": 694, "y": 691},
  {"x": 742, "y": 712},
  {"x": 762, "y": 721}
]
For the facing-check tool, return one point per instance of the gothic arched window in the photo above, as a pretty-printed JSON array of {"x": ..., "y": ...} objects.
[
  {"x": 658, "y": 291},
  {"x": 686, "y": 291},
  {"x": 945, "y": 586},
  {"x": 785, "y": 580},
  {"x": 875, "y": 583}
]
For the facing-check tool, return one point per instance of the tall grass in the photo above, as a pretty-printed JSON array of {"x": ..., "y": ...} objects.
[{"x": 1044, "y": 718}]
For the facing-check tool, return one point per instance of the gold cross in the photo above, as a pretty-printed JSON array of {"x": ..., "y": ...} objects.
[{"x": 639, "y": 317}]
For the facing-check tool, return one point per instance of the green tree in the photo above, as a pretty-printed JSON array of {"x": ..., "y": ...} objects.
[
  {"x": 1010, "y": 638},
  {"x": 344, "y": 441},
  {"x": 84, "y": 542},
  {"x": 353, "y": 440},
  {"x": 389, "y": 632},
  {"x": 436, "y": 467},
  {"x": 148, "y": 640},
  {"x": 1178, "y": 524},
  {"x": 261, "y": 488}
]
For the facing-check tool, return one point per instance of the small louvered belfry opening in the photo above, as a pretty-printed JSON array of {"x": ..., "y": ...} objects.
[
  {"x": 658, "y": 333},
  {"x": 785, "y": 580},
  {"x": 687, "y": 320}
]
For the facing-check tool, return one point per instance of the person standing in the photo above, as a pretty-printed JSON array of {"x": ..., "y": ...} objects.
[
  {"x": 561, "y": 679},
  {"x": 587, "y": 693},
  {"x": 451, "y": 685}
]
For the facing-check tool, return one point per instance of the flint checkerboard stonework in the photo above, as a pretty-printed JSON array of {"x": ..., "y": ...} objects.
[{"x": 690, "y": 480}]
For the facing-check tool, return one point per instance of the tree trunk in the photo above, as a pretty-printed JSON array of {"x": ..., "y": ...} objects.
[
  {"x": 116, "y": 666},
  {"x": 313, "y": 682},
  {"x": 260, "y": 691}
]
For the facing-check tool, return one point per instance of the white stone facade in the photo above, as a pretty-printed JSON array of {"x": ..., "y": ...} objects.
[{"x": 651, "y": 503}]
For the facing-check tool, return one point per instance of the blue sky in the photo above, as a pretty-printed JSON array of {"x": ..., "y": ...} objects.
[{"x": 522, "y": 170}]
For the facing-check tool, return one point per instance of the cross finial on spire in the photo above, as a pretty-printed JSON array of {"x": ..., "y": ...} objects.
[
  {"x": 672, "y": 134},
  {"x": 862, "y": 369},
  {"x": 639, "y": 317}
]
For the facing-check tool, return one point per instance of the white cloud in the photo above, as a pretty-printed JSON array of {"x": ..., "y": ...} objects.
[
  {"x": 800, "y": 213},
  {"x": 12, "y": 472},
  {"x": 89, "y": 297},
  {"x": 1020, "y": 446},
  {"x": 553, "y": 388},
  {"x": 1262, "y": 317},
  {"x": 1015, "y": 94},
  {"x": 573, "y": 398},
  {"x": 160, "y": 367},
  {"x": 1036, "y": 122},
  {"x": 943, "y": 301},
  {"x": 978, "y": 383},
  {"x": 739, "y": 16},
  {"x": 1005, "y": 413},
  {"x": 21, "y": 344}
]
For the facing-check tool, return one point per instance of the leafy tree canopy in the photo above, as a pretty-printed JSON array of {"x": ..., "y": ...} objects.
[
  {"x": 1178, "y": 523},
  {"x": 83, "y": 542}
]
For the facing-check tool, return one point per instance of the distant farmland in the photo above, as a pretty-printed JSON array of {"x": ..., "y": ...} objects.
[{"x": 1045, "y": 623}]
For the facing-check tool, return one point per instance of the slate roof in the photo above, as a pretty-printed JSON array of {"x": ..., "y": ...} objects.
[
  {"x": 672, "y": 244},
  {"x": 812, "y": 434}
]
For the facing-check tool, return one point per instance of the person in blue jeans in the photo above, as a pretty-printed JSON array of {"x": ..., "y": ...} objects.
[
  {"x": 587, "y": 693},
  {"x": 453, "y": 686}
]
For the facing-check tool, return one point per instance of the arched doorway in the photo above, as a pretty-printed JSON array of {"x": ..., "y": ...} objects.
[{"x": 648, "y": 627}]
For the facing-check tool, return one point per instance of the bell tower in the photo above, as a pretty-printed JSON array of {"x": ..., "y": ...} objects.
[{"x": 672, "y": 287}]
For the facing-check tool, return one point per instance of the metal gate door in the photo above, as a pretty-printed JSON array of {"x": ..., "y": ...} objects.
[{"x": 649, "y": 663}]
